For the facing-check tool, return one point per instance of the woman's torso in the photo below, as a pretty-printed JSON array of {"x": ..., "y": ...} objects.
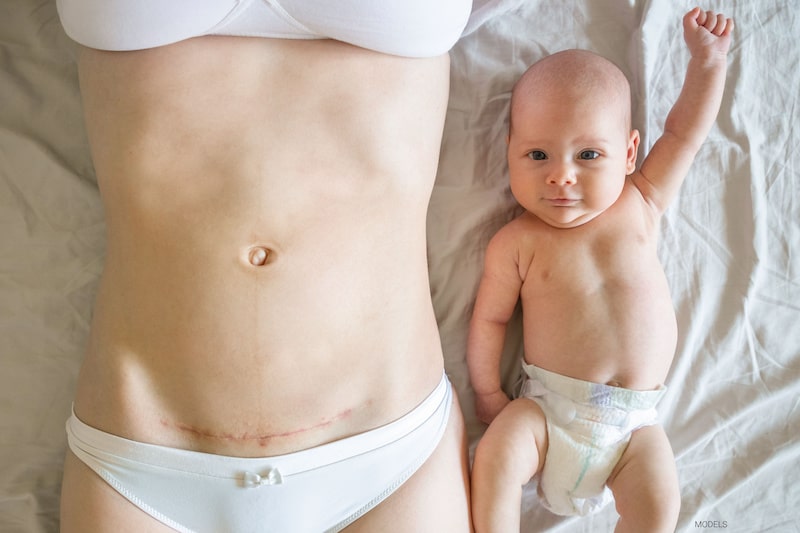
[{"x": 319, "y": 152}]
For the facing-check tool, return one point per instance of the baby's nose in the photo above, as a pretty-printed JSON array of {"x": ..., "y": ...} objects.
[{"x": 562, "y": 175}]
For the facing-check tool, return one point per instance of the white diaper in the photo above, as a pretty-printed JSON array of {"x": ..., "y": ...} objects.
[{"x": 589, "y": 426}]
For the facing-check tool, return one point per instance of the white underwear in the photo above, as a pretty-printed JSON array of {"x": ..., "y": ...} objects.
[
  {"x": 589, "y": 426},
  {"x": 413, "y": 28},
  {"x": 321, "y": 489}
]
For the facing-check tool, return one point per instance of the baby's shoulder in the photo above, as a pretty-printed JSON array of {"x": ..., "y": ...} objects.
[
  {"x": 635, "y": 194},
  {"x": 518, "y": 235},
  {"x": 523, "y": 227},
  {"x": 634, "y": 208}
]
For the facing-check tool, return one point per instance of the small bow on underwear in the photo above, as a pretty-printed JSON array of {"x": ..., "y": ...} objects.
[{"x": 272, "y": 476}]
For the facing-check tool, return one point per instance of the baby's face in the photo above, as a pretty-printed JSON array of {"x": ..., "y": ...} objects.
[{"x": 568, "y": 157}]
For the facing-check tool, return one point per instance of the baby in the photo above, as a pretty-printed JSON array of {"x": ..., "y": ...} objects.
[{"x": 599, "y": 326}]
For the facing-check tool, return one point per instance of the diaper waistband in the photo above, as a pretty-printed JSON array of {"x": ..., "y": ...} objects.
[{"x": 594, "y": 394}]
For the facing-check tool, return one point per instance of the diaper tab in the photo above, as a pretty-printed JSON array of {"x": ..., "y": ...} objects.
[{"x": 562, "y": 409}]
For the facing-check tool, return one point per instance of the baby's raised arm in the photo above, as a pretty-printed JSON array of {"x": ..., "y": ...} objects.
[{"x": 708, "y": 37}]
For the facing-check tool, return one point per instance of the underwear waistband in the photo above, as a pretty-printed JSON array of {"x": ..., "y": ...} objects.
[{"x": 434, "y": 409}]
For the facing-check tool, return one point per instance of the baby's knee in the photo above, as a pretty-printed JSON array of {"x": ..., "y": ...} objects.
[
  {"x": 515, "y": 443},
  {"x": 652, "y": 510},
  {"x": 665, "y": 506}
]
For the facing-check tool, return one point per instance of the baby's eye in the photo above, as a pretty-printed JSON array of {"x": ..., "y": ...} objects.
[
  {"x": 589, "y": 154},
  {"x": 537, "y": 155}
]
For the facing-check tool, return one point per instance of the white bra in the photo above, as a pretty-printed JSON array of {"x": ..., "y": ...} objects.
[{"x": 413, "y": 28}]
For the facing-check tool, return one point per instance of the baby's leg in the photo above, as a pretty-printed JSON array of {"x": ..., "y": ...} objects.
[
  {"x": 509, "y": 454},
  {"x": 645, "y": 483}
]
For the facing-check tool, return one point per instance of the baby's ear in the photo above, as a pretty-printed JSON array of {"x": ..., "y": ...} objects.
[{"x": 633, "y": 150}]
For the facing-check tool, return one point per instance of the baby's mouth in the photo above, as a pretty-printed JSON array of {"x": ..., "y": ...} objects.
[{"x": 562, "y": 202}]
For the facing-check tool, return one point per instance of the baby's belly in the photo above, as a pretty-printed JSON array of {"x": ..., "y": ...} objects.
[{"x": 625, "y": 336}]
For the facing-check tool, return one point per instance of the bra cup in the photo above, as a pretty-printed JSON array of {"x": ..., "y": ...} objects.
[{"x": 119, "y": 25}]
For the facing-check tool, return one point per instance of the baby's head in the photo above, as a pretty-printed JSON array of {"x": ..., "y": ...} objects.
[{"x": 570, "y": 144}]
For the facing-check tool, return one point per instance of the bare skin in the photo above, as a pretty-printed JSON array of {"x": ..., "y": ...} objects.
[
  {"x": 266, "y": 285},
  {"x": 582, "y": 259}
]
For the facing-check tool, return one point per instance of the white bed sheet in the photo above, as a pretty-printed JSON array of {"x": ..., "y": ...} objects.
[{"x": 730, "y": 245}]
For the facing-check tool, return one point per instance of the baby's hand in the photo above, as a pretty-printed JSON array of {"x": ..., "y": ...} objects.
[
  {"x": 488, "y": 406},
  {"x": 707, "y": 34}
]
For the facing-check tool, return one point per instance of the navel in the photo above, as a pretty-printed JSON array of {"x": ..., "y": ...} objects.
[{"x": 259, "y": 256}]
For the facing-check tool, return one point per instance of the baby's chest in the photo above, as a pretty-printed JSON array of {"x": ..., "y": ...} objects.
[{"x": 583, "y": 261}]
